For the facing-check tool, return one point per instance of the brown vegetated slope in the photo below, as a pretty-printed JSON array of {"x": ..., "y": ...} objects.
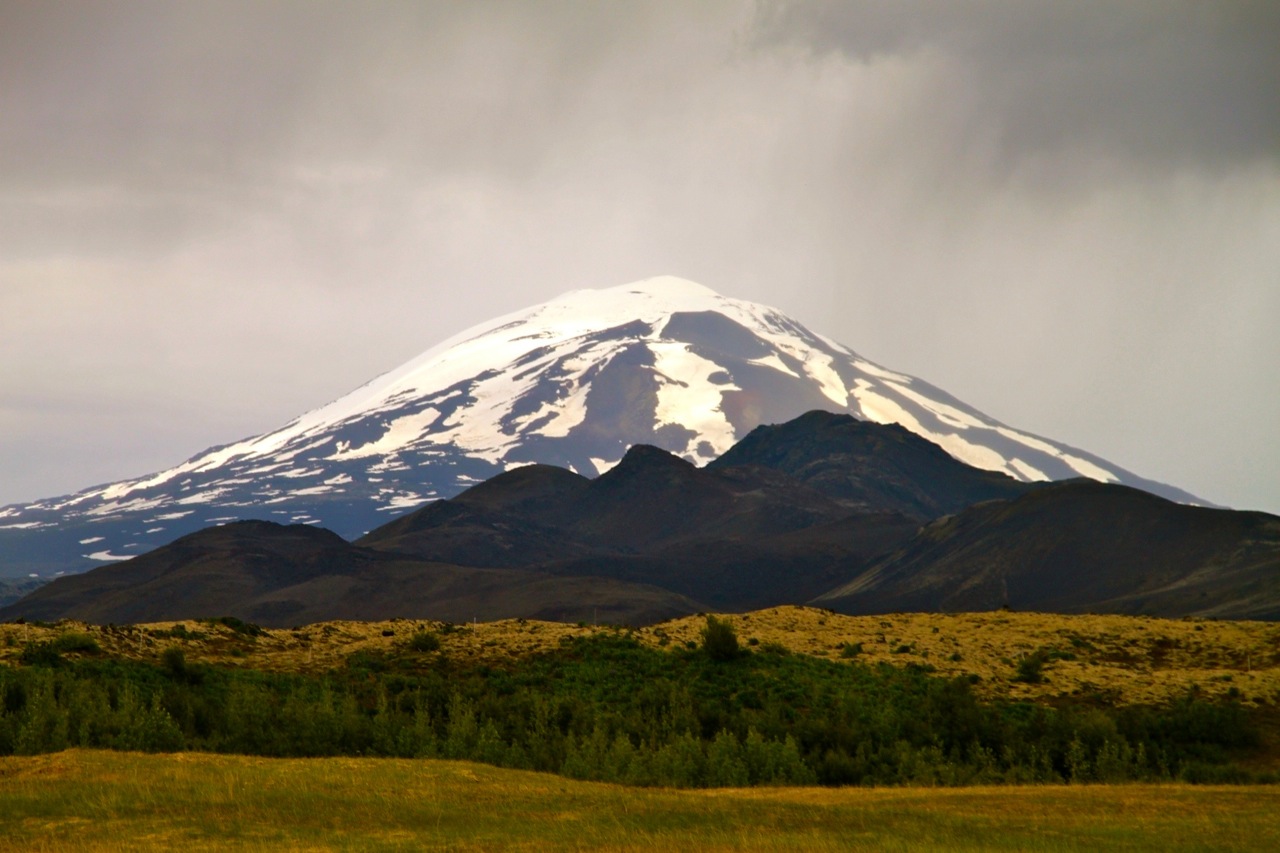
[
  {"x": 1080, "y": 547},
  {"x": 1122, "y": 659},
  {"x": 275, "y": 575}
]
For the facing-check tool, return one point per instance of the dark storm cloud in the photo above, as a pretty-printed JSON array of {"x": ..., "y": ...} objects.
[
  {"x": 1159, "y": 82},
  {"x": 216, "y": 214},
  {"x": 150, "y": 91},
  {"x": 138, "y": 124}
]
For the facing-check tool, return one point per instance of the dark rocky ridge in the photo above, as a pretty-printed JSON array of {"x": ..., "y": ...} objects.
[
  {"x": 280, "y": 576},
  {"x": 870, "y": 467},
  {"x": 846, "y": 514},
  {"x": 1080, "y": 547},
  {"x": 573, "y": 382},
  {"x": 733, "y": 538}
]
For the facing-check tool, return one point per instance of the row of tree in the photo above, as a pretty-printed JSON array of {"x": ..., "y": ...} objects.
[{"x": 608, "y": 708}]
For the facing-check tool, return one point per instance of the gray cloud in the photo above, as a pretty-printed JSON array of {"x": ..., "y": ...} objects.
[
  {"x": 214, "y": 216},
  {"x": 167, "y": 94},
  {"x": 1167, "y": 83}
]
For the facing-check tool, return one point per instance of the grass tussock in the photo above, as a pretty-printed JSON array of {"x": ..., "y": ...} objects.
[{"x": 88, "y": 800}]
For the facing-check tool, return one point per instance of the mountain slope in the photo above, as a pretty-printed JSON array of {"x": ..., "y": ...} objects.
[
  {"x": 1080, "y": 547},
  {"x": 573, "y": 382},
  {"x": 656, "y": 535},
  {"x": 734, "y": 537},
  {"x": 290, "y": 575},
  {"x": 870, "y": 467}
]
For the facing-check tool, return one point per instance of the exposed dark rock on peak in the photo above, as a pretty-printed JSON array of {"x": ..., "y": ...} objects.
[
  {"x": 267, "y": 535},
  {"x": 870, "y": 466},
  {"x": 525, "y": 487},
  {"x": 641, "y": 459}
]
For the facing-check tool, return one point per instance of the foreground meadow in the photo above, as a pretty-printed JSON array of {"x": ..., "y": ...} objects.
[{"x": 95, "y": 800}]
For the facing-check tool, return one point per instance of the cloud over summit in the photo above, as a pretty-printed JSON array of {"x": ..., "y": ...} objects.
[{"x": 216, "y": 215}]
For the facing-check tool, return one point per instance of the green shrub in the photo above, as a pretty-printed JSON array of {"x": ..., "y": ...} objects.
[
  {"x": 174, "y": 662},
  {"x": 719, "y": 640},
  {"x": 50, "y": 653},
  {"x": 247, "y": 629},
  {"x": 75, "y": 641},
  {"x": 177, "y": 632},
  {"x": 1031, "y": 668},
  {"x": 370, "y": 660},
  {"x": 40, "y": 654},
  {"x": 425, "y": 641}
]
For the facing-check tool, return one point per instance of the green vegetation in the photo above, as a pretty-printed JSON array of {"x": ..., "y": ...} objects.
[
  {"x": 50, "y": 652},
  {"x": 606, "y": 707},
  {"x": 1030, "y": 670},
  {"x": 719, "y": 640},
  {"x": 126, "y": 801},
  {"x": 425, "y": 641},
  {"x": 248, "y": 629},
  {"x": 177, "y": 632}
]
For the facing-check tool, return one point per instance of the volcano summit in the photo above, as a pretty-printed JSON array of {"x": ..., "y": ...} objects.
[{"x": 573, "y": 382}]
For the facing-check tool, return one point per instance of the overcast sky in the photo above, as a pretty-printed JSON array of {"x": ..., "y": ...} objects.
[{"x": 217, "y": 215}]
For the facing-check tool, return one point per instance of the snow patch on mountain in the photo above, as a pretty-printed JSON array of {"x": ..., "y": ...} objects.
[
  {"x": 573, "y": 382},
  {"x": 689, "y": 398}
]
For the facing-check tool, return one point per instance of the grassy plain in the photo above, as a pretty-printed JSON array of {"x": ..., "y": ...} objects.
[
  {"x": 106, "y": 801},
  {"x": 1126, "y": 659},
  {"x": 124, "y": 801}
]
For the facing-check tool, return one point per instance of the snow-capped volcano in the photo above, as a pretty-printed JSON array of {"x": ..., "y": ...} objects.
[{"x": 572, "y": 382}]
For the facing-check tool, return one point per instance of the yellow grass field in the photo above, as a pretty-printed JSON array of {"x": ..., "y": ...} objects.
[
  {"x": 1127, "y": 659},
  {"x": 103, "y": 801}
]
